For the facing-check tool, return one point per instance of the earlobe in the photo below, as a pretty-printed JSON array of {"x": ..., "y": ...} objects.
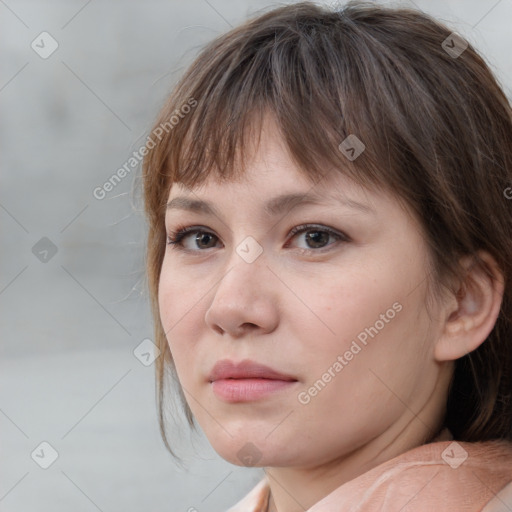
[{"x": 472, "y": 314}]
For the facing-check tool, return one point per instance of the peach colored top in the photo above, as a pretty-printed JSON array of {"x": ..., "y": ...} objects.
[{"x": 441, "y": 476}]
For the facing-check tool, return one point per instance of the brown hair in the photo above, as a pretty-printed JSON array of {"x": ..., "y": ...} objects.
[{"x": 437, "y": 130}]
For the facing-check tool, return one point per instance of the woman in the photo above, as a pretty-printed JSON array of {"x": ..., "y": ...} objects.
[{"x": 347, "y": 325}]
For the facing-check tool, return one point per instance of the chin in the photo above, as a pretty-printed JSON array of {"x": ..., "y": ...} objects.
[{"x": 244, "y": 450}]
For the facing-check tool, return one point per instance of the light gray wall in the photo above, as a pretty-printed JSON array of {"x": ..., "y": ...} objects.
[{"x": 69, "y": 325}]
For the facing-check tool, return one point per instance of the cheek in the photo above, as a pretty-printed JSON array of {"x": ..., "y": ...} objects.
[
  {"x": 178, "y": 293},
  {"x": 368, "y": 317},
  {"x": 178, "y": 314},
  {"x": 344, "y": 305},
  {"x": 360, "y": 378}
]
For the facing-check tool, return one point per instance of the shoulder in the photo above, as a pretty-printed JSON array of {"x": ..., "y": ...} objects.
[
  {"x": 502, "y": 501},
  {"x": 448, "y": 476},
  {"x": 442, "y": 477}
]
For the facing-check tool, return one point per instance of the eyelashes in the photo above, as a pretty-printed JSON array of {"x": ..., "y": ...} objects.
[{"x": 176, "y": 238}]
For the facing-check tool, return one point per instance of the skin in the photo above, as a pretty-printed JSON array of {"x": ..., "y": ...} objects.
[{"x": 297, "y": 311}]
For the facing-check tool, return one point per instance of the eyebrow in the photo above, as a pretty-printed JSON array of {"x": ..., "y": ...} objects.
[{"x": 273, "y": 207}]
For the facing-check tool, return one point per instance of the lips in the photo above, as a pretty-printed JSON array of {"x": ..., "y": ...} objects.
[
  {"x": 248, "y": 381},
  {"x": 246, "y": 369}
]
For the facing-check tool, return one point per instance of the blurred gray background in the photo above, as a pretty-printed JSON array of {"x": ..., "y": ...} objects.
[{"x": 73, "y": 301}]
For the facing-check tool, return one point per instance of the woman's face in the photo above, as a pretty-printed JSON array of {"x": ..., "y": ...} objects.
[{"x": 340, "y": 317}]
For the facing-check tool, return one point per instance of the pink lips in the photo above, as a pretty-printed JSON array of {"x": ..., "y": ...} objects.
[{"x": 246, "y": 380}]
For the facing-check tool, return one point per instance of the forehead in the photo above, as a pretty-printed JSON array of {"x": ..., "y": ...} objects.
[
  {"x": 272, "y": 178},
  {"x": 269, "y": 169},
  {"x": 274, "y": 196}
]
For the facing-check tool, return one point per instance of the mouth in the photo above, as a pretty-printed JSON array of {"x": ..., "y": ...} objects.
[{"x": 247, "y": 381}]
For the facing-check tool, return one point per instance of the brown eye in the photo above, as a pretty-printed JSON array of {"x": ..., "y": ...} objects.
[
  {"x": 176, "y": 239},
  {"x": 317, "y": 237},
  {"x": 204, "y": 237}
]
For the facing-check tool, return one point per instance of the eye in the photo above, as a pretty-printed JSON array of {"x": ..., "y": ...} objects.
[
  {"x": 176, "y": 238},
  {"x": 316, "y": 238}
]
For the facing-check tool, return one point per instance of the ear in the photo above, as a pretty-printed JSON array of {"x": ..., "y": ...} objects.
[{"x": 472, "y": 313}]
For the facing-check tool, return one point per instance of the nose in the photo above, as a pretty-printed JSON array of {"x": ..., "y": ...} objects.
[{"x": 245, "y": 300}]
